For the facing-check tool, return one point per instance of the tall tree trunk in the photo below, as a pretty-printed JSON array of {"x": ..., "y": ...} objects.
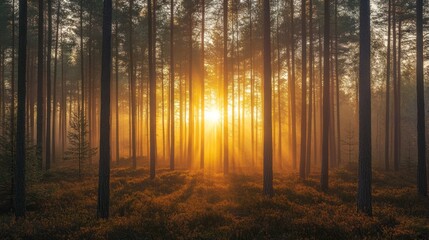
[
  {"x": 225, "y": 88},
  {"x": 326, "y": 93},
  {"x": 191, "y": 100},
  {"x": 133, "y": 88},
  {"x": 292, "y": 85},
  {"x": 395, "y": 97},
  {"x": 12, "y": 109},
  {"x": 106, "y": 64},
  {"x": 268, "y": 137},
  {"x": 40, "y": 68},
  {"x": 82, "y": 85},
  {"x": 90, "y": 82},
  {"x": 311, "y": 93},
  {"x": 54, "y": 113},
  {"x": 20, "y": 123},
  {"x": 117, "y": 79},
  {"x": 63, "y": 101},
  {"x": 304, "y": 90},
  {"x": 387, "y": 116},
  {"x": 3, "y": 91},
  {"x": 398, "y": 93},
  {"x": 365, "y": 175},
  {"x": 162, "y": 101},
  {"x": 421, "y": 128},
  {"x": 203, "y": 9},
  {"x": 279, "y": 111},
  {"x": 48, "y": 88},
  {"x": 337, "y": 86},
  {"x": 152, "y": 89},
  {"x": 172, "y": 130},
  {"x": 252, "y": 84}
]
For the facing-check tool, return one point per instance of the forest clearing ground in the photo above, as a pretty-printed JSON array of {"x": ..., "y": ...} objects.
[{"x": 195, "y": 205}]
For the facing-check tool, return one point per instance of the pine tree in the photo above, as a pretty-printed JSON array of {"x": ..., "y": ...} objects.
[{"x": 79, "y": 149}]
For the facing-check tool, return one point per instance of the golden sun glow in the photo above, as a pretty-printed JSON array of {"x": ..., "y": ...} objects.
[{"x": 212, "y": 115}]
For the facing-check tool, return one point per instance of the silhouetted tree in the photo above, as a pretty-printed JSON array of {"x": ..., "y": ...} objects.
[
  {"x": 20, "y": 123},
  {"x": 326, "y": 94},
  {"x": 421, "y": 128},
  {"x": 268, "y": 134},
  {"x": 365, "y": 176},
  {"x": 106, "y": 64}
]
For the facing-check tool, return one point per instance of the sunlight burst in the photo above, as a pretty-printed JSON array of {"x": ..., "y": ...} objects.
[{"x": 212, "y": 115}]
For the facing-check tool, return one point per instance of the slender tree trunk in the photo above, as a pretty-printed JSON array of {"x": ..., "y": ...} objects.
[
  {"x": 332, "y": 137},
  {"x": 337, "y": 90},
  {"x": 162, "y": 102},
  {"x": 90, "y": 84},
  {"x": 181, "y": 113},
  {"x": 63, "y": 101},
  {"x": 311, "y": 78},
  {"x": 326, "y": 102},
  {"x": 172, "y": 129},
  {"x": 133, "y": 89},
  {"x": 54, "y": 113},
  {"x": 106, "y": 64},
  {"x": 12, "y": 110},
  {"x": 279, "y": 111},
  {"x": 20, "y": 123},
  {"x": 152, "y": 86},
  {"x": 117, "y": 78},
  {"x": 40, "y": 68},
  {"x": 395, "y": 97},
  {"x": 203, "y": 8},
  {"x": 268, "y": 138},
  {"x": 3, "y": 91},
  {"x": 365, "y": 175},
  {"x": 191, "y": 99},
  {"x": 225, "y": 88},
  {"x": 82, "y": 85},
  {"x": 387, "y": 116},
  {"x": 252, "y": 85},
  {"x": 304, "y": 90},
  {"x": 48, "y": 87},
  {"x": 398, "y": 93},
  {"x": 292, "y": 86},
  {"x": 421, "y": 128}
]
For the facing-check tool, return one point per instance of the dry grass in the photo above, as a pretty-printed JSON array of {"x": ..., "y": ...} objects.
[{"x": 193, "y": 205}]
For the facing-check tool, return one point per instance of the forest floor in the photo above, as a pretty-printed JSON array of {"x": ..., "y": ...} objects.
[{"x": 197, "y": 205}]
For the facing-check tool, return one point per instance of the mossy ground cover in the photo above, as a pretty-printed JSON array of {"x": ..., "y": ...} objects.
[{"x": 196, "y": 205}]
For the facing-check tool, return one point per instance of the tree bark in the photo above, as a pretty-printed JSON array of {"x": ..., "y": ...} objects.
[
  {"x": 225, "y": 88},
  {"x": 106, "y": 64},
  {"x": 40, "y": 68},
  {"x": 268, "y": 138},
  {"x": 304, "y": 90},
  {"x": 191, "y": 99},
  {"x": 172, "y": 129},
  {"x": 203, "y": 8},
  {"x": 117, "y": 79},
  {"x": 152, "y": 89},
  {"x": 20, "y": 123},
  {"x": 133, "y": 89},
  {"x": 48, "y": 89},
  {"x": 365, "y": 176},
  {"x": 395, "y": 97},
  {"x": 54, "y": 112},
  {"x": 292, "y": 86},
  {"x": 421, "y": 128},
  {"x": 326, "y": 93},
  {"x": 387, "y": 116}
]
